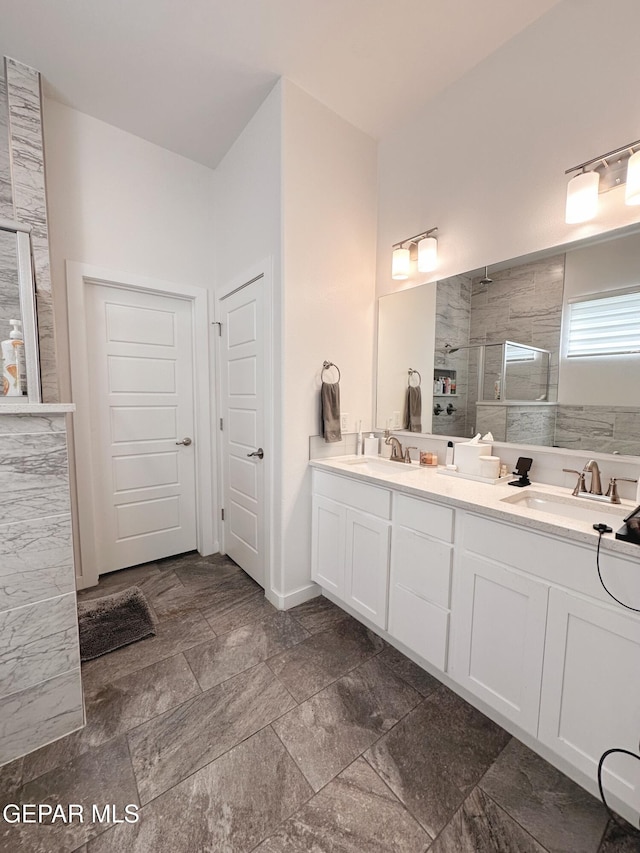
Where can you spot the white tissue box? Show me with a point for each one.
(467, 457)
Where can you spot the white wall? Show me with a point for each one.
(329, 228)
(119, 202)
(610, 265)
(485, 160)
(248, 232)
(247, 220)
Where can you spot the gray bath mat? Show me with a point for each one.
(113, 621)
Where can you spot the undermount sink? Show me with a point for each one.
(374, 465)
(579, 509)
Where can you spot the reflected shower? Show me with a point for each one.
(486, 279)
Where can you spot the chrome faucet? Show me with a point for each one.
(592, 468)
(595, 492)
(396, 448)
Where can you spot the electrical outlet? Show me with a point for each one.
(397, 422)
(344, 423)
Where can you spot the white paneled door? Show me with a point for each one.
(242, 368)
(140, 348)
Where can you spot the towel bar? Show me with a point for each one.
(411, 372)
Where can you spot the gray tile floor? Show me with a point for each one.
(239, 728)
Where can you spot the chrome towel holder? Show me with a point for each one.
(417, 373)
(325, 366)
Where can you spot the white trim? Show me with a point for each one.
(291, 599)
(78, 276)
(262, 270)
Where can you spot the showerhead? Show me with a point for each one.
(448, 349)
(486, 279)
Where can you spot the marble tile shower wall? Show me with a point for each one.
(522, 304)
(40, 687)
(518, 424)
(607, 429)
(23, 198)
(6, 194)
(453, 323)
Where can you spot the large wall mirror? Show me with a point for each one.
(541, 350)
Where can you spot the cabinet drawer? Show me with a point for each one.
(422, 565)
(422, 627)
(424, 516)
(357, 495)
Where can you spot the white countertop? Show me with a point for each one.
(488, 499)
(21, 408)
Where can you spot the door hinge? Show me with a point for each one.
(222, 514)
(221, 423)
(219, 325)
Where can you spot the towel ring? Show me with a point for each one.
(411, 372)
(325, 366)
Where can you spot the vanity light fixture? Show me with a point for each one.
(622, 165)
(425, 251)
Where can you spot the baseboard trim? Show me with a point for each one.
(291, 599)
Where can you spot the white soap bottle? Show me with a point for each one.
(14, 378)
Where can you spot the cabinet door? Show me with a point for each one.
(367, 565)
(327, 544)
(590, 693)
(498, 618)
(419, 592)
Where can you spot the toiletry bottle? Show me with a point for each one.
(14, 379)
(449, 456)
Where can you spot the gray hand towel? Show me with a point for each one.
(330, 396)
(413, 409)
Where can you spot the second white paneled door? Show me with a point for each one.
(242, 374)
(140, 348)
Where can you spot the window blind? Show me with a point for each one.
(604, 325)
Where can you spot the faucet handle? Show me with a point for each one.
(407, 455)
(612, 491)
(581, 485)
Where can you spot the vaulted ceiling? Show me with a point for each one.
(188, 74)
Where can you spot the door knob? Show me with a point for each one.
(259, 453)
(186, 441)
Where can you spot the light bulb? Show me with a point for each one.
(582, 197)
(427, 254)
(400, 263)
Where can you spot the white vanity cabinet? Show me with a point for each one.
(420, 577)
(350, 543)
(513, 616)
(500, 618)
(590, 690)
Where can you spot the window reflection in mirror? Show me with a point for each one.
(450, 327)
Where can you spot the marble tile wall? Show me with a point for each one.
(27, 200)
(6, 194)
(453, 324)
(607, 429)
(40, 687)
(522, 304)
(518, 424)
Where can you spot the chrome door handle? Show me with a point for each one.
(186, 441)
(259, 453)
